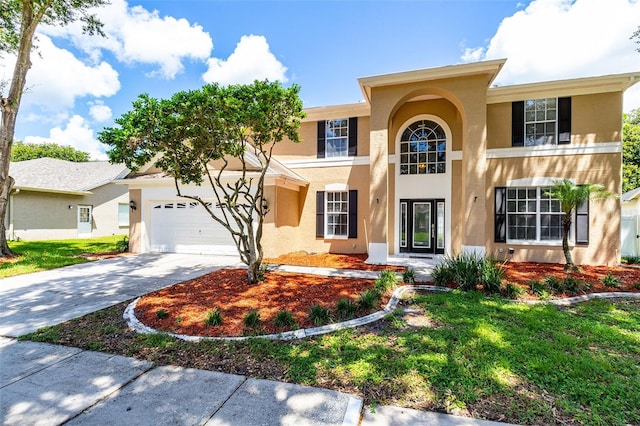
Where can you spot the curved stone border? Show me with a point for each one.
(139, 327)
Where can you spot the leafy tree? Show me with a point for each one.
(28, 151)
(18, 22)
(631, 151)
(571, 197)
(202, 135)
(636, 35)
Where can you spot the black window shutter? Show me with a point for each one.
(320, 214)
(500, 215)
(582, 224)
(353, 136)
(517, 123)
(564, 121)
(321, 138)
(353, 214)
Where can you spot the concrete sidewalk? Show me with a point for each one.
(42, 384)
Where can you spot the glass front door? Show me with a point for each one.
(422, 227)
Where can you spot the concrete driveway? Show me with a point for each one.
(51, 297)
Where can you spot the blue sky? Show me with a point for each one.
(79, 84)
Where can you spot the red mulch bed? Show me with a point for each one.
(329, 260)
(188, 303)
(228, 291)
(522, 273)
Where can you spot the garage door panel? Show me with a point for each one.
(182, 227)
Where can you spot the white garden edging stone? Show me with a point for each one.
(135, 324)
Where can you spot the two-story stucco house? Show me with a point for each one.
(433, 161)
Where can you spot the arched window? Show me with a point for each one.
(423, 149)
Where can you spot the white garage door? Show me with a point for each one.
(186, 227)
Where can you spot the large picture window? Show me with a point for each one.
(532, 215)
(423, 147)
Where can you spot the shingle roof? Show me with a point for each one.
(67, 176)
(630, 195)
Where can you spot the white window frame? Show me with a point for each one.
(536, 116)
(342, 137)
(534, 209)
(123, 210)
(342, 213)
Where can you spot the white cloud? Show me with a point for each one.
(251, 60)
(99, 112)
(556, 39)
(57, 78)
(77, 134)
(136, 35)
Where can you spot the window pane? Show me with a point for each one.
(423, 136)
(123, 214)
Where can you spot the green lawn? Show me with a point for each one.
(490, 358)
(42, 255)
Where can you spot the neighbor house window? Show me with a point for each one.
(423, 147)
(337, 214)
(338, 138)
(123, 214)
(545, 121)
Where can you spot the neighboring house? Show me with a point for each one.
(434, 161)
(58, 199)
(630, 228)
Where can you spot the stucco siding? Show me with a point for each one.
(604, 216)
(41, 215)
(285, 237)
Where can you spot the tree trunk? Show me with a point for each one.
(10, 106)
(566, 227)
(5, 191)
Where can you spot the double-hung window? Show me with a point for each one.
(540, 118)
(532, 215)
(338, 138)
(545, 121)
(337, 214)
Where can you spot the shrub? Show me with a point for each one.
(631, 260)
(554, 284)
(162, 314)
(213, 318)
(467, 270)
(575, 286)
(409, 276)
(284, 319)
(611, 281)
(123, 245)
(346, 308)
(636, 285)
(538, 288)
(252, 319)
(319, 315)
(368, 299)
(385, 282)
(491, 275)
(512, 291)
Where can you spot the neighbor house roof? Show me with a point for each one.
(61, 176)
(631, 195)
